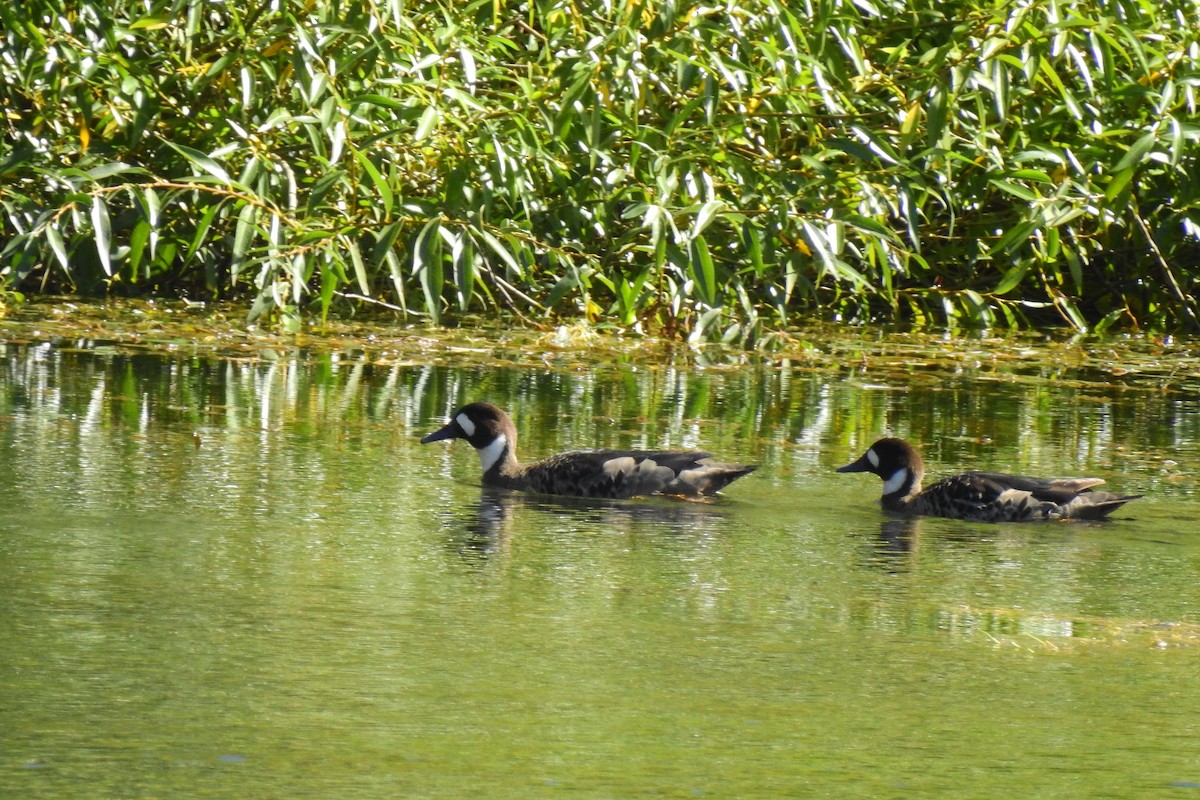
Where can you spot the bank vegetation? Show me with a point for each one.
(717, 171)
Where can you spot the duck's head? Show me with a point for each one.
(488, 429)
(893, 460)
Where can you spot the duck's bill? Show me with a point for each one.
(450, 431)
(862, 465)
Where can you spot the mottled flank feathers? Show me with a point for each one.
(981, 496)
(592, 473)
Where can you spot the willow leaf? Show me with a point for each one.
(377, 179)
(242, 237)
(1136, 152)
(102, 229)
(700, 267)
(462, 256)
(356, 259)
(427, 265)
(1012, 279)
(137, 249)
(206, 164)
(55, 240)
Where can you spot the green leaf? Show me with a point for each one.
(707, 214)
(380, 183)
(1015, 189)
(1016, 238)
(700, 268)
(500, 250)
(150, 23)
(379, 100)
(1071, 312)
(1012, 279)
(1032, 175)
(1137, 152)
(752, 244)
(462, 256)
(935, 111)
(242, 237)
(360, 268)
(151, 208)
(1118, 182)
(427, 266)
(428, 121)
(137, 249)
(204, 162)
(384, 242)
(55, 239)
(870, 225)
(853, 149)
(113, 168)
(102, 228)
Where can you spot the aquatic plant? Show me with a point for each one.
(712, 171)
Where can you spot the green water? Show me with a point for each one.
(235, 578)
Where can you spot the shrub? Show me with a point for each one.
(714, 171)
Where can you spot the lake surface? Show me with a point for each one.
(244, 577)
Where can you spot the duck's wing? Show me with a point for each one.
(630, 473)
(1037, 485)
(996, 496)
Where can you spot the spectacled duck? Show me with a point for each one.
(981, 496)
(595, 473)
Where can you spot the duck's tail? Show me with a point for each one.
(1095, 505)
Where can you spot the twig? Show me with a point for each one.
(1188, 311)
(384, 303)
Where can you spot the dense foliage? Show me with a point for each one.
(712, 170)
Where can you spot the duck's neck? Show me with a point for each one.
(900, 489)
(499, 457)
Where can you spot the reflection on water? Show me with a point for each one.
(248, 576)
(485, 528)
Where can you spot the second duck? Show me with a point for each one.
(589, 473)
(981, 496)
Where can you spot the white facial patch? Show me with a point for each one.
(488, 456)
(896, 482)
(465, 423)
(873, 457)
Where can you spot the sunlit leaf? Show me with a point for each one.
(1015, 189)
(102, 230)
(356, 259)
(1137, 152)
(377, 180)
(707, 213)
(137, 249)
(242, 237)
(427, 265)
(1012, 279)
(503, 252)
(428, 121)
(150, 23)
(113, 168)
(462, 256)
(205, 163)
(701, 270)
(1117, 183)
(55, 240)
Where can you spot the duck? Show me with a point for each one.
(610, 474)
(981, 496)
